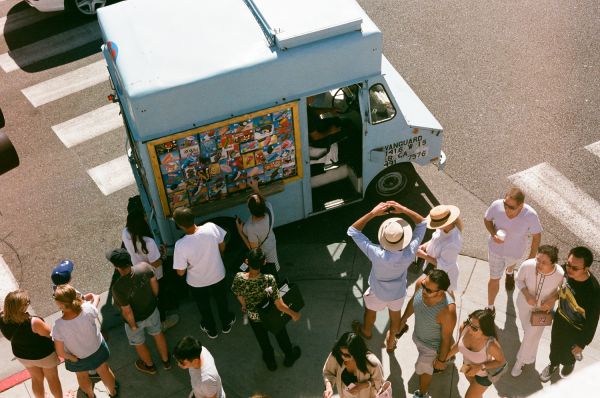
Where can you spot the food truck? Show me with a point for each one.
(295, 94)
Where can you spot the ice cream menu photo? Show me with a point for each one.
(213, 162)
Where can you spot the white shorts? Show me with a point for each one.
(427, 355)
(499, 263)
(375, 304)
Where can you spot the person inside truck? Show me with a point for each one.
(324, 130)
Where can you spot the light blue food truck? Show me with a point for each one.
(296, 94)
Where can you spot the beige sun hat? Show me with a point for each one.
(394, 234)
(441, 216)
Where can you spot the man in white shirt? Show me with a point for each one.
(509, 221)
(205, 379)
(198, 256)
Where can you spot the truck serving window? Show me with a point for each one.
(382, 108)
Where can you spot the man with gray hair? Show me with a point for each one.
(390, 259)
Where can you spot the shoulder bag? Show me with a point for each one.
(494, 374)
(274, 320)
(540, 317)
(385, 391)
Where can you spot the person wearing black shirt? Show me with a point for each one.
(577, 314)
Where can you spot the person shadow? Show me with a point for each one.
(444, 383)
(529, 381)
(395, 377)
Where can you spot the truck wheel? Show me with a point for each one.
(393, 181)
(85, 8)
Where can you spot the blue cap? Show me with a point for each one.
(61, 274)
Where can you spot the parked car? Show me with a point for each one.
(84, 7)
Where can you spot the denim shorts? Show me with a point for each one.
(92, 362)
(483, 381)
(151, 325)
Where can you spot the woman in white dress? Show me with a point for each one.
(537, 280)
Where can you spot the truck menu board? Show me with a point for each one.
(215, 161)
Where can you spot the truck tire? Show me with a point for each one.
(84, 8)
(393, 181)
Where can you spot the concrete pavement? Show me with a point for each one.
(332, 288)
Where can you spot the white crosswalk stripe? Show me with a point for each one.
(21, 19)
(66, 84)
(594, 148)
(562, 199)
(89, 125)
(46, 48)
(112, 176)
(7, 280)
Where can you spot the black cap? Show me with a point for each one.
(119, 258)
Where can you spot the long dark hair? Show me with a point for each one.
(486, 322)
(356, 347)
(138, 228)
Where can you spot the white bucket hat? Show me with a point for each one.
(394, 234)
(441, 216)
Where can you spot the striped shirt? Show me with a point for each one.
(427, 330)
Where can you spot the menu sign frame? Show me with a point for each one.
(215, 161)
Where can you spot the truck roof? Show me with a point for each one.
(252, 52)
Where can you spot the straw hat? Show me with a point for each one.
(441, 216)
(394, 234)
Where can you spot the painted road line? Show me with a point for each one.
(576, 210)
(594, 148)
(46, 48)
(69, 83)
(8, 283)
(89, 125)
(112, 176)
(22, 19)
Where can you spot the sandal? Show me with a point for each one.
(390, 348)
(357, 328)
(400, 333)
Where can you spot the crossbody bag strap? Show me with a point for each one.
(539, 285)
(270, 225)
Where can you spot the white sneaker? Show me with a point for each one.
(517, 369)
(170, 321)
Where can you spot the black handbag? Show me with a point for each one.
(274, 320)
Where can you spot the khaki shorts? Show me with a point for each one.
(51, 361)
(374, 304)
(499, 263)
(427, 355)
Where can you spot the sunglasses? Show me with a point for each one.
(428, 290)
(473, 327)
(507, 206)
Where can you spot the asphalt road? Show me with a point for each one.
(514, 84)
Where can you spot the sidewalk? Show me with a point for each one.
(332, 278)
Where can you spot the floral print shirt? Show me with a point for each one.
(254, 291)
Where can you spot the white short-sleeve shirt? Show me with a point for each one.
(199, 254)
(517, 229)
(80, 335)
(206, 381)
(141, 257)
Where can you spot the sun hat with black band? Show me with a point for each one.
(394, 234)
(441, 216)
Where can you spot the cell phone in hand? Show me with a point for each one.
(350, 386)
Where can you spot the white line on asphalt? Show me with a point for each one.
(57, 44)
(8, 283)
(112, 176)
(574, 208)
(21, 19)
(89, 125)
(66, 84)
(594, 148)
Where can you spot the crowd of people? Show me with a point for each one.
(563, 297)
